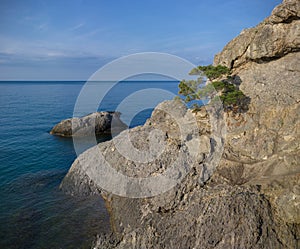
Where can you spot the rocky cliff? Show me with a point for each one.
(264, 142)
(252, 198)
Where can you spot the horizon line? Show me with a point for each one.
(88, 80)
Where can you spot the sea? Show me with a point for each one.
(34, 212)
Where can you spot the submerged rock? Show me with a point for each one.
(95, 123)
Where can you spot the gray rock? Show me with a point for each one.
(220, 217)
(277, 36)
(263, 145)
(285, 13)
(162, 151)
(95, 123)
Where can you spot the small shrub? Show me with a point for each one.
(232, 98)
(218, 85)
(210, 71)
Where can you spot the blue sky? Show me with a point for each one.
(70, 40)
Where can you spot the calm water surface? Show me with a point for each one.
(34, 213)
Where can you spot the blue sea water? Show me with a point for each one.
(34, 213)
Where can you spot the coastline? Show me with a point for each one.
(251, 199)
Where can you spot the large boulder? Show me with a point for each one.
(165, 140)
(95, 123)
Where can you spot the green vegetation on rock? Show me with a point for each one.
(210, 71)
(224, 90)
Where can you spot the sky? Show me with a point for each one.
(70, 40)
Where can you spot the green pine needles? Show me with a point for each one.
(223, 89)
(210, 71)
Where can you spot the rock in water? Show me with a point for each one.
(252, 199)
(95, 123)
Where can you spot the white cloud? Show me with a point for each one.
(42, 26)
(78, 26)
